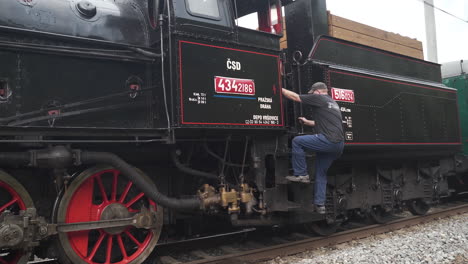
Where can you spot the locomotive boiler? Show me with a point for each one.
(128, 123)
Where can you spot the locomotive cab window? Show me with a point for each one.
(203, 8)
(265, 16)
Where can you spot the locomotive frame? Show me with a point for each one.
(125, 123)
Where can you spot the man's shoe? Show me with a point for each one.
(320, 209)
(302, 179)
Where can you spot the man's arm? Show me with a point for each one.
(291, 95)
(306, 121)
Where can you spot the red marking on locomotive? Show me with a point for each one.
(229, 85)
(54, 112)
(342, 95)
(135, 87)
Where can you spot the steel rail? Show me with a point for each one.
(297, 247)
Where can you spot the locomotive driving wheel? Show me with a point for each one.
(102, 193)
(379, 215)
(418, 207)
(322, 228)
(13, 198)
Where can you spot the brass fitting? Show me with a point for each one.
(208, 196)
(246, 194)
(234, 208)
(230, 199)
(227, 197)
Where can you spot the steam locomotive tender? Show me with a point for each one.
(124, 119)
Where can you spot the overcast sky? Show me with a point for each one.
(406, 17)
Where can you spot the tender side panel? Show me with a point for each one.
(222, 86)
(384, 111)
(341, 52)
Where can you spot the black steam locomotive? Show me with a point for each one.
(124, 119)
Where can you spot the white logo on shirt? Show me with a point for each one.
(333, 105)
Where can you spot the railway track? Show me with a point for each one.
(256, 247)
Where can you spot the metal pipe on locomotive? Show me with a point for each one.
(124, 120)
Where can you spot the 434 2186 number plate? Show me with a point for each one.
(227, 85)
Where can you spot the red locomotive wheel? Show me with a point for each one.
(14, 198)
(102, 193)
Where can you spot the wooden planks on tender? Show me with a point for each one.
(346, 29)
(363, 34)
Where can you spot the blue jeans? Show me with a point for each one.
(326, 153)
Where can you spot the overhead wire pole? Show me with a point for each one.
(431, 34)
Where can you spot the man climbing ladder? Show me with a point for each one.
(328, 143)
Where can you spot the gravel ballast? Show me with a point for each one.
(441, 241)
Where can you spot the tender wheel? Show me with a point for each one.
(322, 228)
(101, 193)
(14, 198)
(378, 215)
(418, 207)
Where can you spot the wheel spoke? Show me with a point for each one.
(101, 188)
(122, 247)
(8, 204)
(133, 238)
(134, 200)
(96, 247)
(124, 194)
(114, 186)
(109, 249)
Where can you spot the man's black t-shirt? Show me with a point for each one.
(327, 116)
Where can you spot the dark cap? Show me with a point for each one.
(318, 86)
